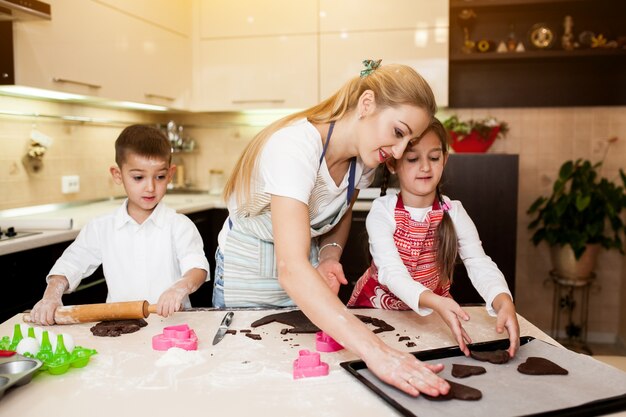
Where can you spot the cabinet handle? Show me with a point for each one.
(66, 81)
(150, 95)
(273, 101)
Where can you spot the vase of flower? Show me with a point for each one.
(474, 135)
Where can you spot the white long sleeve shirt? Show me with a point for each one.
(140, 261)
(381, 225)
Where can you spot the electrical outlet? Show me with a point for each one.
(70, 184)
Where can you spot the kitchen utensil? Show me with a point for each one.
(98, 312)
(228, 318)
(180, 336)
(16, 370)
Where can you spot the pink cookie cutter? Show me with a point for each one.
(308, 364)
(325, 343)
(180, 336)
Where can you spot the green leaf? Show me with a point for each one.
(582, 202)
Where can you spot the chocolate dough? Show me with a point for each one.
(463, 371)
(494, 356)
(540, 366)
(253, 336)
(459, 392)
(301, 323)
(114, 328)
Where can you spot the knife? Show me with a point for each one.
(221, 331)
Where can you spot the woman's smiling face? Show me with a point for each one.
(386, 134)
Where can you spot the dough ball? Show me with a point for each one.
(28, 345)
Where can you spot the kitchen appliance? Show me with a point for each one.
(97, 312)
(24, 10)
(221, 331)
(10, 233)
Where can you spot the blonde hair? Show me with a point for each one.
(393, 85)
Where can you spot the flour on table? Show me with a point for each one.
(178, 356)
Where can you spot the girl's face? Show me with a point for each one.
(145, 182)
(386, 134)
(420, 170)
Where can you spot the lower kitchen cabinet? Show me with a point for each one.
(25, 273)
(209, 223)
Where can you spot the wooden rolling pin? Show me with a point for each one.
(98, 312)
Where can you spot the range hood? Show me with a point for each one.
(24, 10)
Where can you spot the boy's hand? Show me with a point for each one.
(332, 272)
(507, 318)
(171, 300)
(452, 314)
(43, 312)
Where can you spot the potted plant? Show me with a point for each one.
(474, 135)
(581, 216)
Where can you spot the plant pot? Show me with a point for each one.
(567, 266)
(473, 142)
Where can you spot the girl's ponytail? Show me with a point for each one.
(447, 244)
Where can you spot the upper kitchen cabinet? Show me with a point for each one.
(251, 57)
(545, 73)
(426, 50)
(358, 15)
(399, 31)
(228, 18)
(133, 51)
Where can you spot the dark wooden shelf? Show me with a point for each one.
(557, 54)
(537, 78)
(461, 4)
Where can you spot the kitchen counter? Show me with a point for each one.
(83, 213)
(237, 377)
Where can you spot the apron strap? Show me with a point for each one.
(352, 175)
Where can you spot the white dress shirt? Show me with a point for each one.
(481, 270)
(140, 261)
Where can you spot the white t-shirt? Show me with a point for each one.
(140, 261)
(481, 270)
(289, 166)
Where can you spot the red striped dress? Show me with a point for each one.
(415, 243)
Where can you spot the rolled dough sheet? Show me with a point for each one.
(506, 392)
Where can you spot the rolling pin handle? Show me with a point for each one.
(150, 309)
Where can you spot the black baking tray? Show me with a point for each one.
(594, 408)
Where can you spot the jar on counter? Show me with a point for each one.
(216, 181)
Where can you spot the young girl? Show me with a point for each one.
(290, 203)
(414, 240)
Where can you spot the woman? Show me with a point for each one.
(290, 203)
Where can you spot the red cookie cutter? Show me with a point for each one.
(180, 336)
(308, 364)
(325, 343)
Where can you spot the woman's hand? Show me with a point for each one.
(406, 373)
(332, 272)
(452, 314)
(507, 319)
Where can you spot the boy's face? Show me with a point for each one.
(145, 181)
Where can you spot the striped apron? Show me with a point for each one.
(415, 243)
(250, 274)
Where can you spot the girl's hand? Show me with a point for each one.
(406, 373)
(507, 318)
(452, 314)
(332, 272)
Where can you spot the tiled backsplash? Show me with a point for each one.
(543, 137)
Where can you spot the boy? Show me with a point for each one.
(144, 246)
